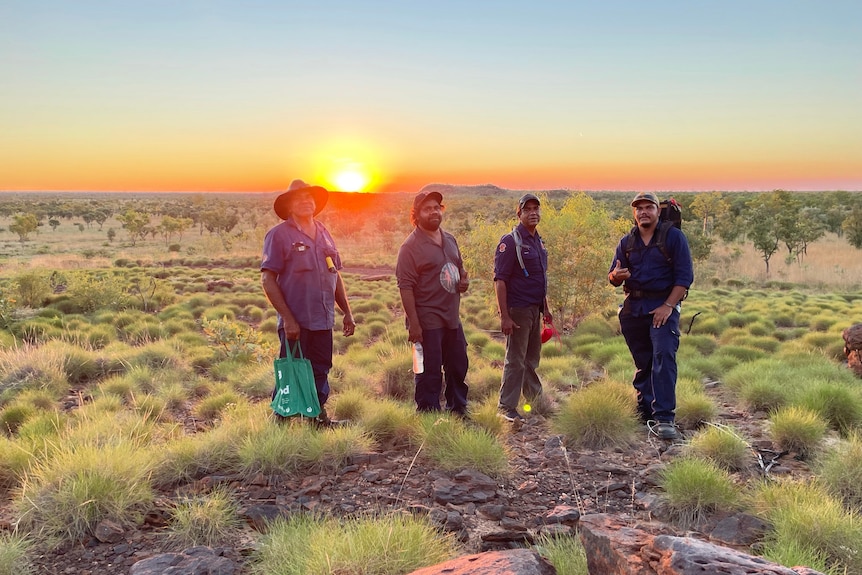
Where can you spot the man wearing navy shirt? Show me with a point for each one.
(521, 282)
(656, 280)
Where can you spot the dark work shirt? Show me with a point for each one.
(651, 271)
(303, 276)
(522, 290)
(432, 272)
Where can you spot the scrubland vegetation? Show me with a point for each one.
(135, 361)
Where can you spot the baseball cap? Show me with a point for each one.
(526, 198)
(645, 197)
(424, 195)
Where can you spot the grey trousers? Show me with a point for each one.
(523, 351)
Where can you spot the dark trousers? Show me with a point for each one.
(654, 352)
(316, 347)
(445, 351)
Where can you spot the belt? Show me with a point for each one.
(646, 294)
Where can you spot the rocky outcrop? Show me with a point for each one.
(615, 548)
(511, 562)
(193, 561)
(853, 347)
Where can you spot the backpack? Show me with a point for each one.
(670, 216)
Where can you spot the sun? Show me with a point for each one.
(350, 181)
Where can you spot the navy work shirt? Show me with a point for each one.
(522, 290)
(303, 276)
(651, 271)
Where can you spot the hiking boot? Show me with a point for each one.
(512, 415)
(666, 430)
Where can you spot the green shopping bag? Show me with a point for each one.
(295, 392)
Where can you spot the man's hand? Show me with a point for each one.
(619, 274)
(660, 315)
(507, 326)
(464, 282)
(414, 334)
(349, 325)
(291, 329)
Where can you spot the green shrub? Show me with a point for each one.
(694, 488)
(14, 415)
(396, 543)
(599, 415)
(840, 471)
(838, 404)
(797, 429)
(209, 520)
(32, 288)
(721, 445)
(15, 554)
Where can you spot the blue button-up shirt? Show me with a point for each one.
(303, 276)
(522, 290)
(651, 271)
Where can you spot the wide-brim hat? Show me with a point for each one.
(281, 206)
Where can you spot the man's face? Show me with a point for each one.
(646, 214)
(302, 204)
(430, 215)
(530, 214)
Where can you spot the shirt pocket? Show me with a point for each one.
(301, 258)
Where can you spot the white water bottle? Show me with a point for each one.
(418, 358)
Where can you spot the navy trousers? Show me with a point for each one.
(653, 350)
(445, 351)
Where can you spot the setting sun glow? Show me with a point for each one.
(350, 181)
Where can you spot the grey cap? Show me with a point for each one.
(645, 197)
(526, 198)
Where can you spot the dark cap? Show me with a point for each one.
(282, 202)
(526, 198)
(645, 197)
(424, 195)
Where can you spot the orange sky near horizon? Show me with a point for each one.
(541, 95)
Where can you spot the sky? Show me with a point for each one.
(230, 95)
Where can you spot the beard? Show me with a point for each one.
(429, 224)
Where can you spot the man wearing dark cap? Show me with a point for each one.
(521, 285)
(655, 279)
(431, 279)
(300, 277)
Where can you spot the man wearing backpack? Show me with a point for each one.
(521, 285)
(653, 263)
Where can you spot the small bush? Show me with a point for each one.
(597, 416)
(14, 554)
(840, 470)
(721, 445)
(797, 429)
(209, 519)
(394, 543)
(695, 488)
(839, 405)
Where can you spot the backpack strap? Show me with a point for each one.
(518, 248)
(661, 240)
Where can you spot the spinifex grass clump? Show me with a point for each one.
(722, 445)
(840, 471)
(14, 554)
(566, 554)
(693, 406)
(804, 518)
(597, 416)
(386, 545)
(209, 519)
(839, 404)
(797, 429)
(694, 488)
(65, 495)
(453, 446)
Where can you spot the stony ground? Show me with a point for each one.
(543, 476)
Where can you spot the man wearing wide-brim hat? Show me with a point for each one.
(301, 278)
